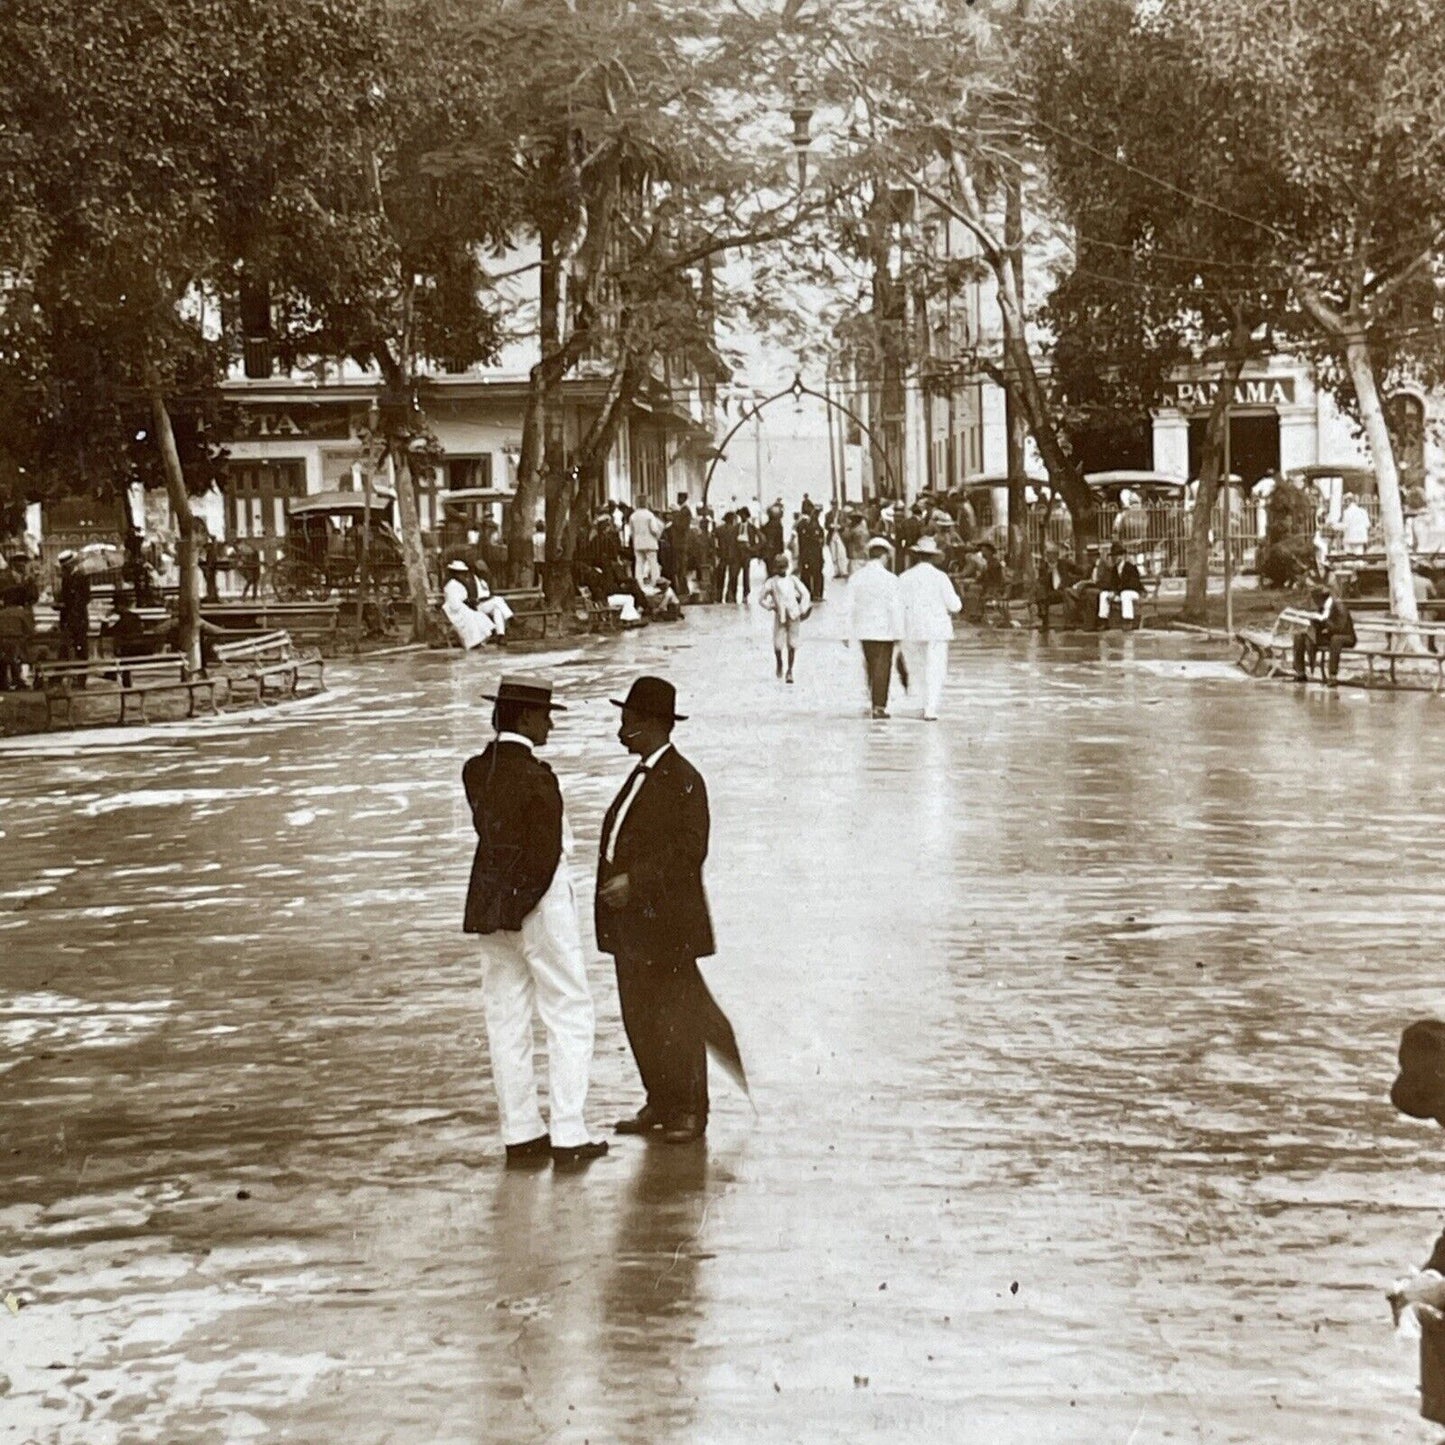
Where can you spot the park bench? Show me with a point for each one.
(270, 657)
(138, 678)
(1267, 652)
(1390, 641)
(529, 604)
(598, 613)
(1383, 643)
(316, 624)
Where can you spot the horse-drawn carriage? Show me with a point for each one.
(326, 536)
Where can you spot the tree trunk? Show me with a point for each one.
(188, 602)
(1349, 327)
(1020, 559)
(1016, 424)
(543, 380)
(1387, 478)
(564, 486)
(1211, 465)
(411, 549)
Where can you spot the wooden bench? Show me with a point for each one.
(271, 656)
(529, 604)
(138, 677)
(1382, 642)
(599, 614)
(1269, 652)
(317, 624)
(1389, 641)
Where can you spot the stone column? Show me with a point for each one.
(1171, 443)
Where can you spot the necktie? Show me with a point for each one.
(629, 792)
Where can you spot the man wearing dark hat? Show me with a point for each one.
(521, 899)
(652, 916)
(72, 600)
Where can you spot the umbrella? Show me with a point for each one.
(722, 1043)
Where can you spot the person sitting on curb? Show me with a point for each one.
(1122, 581)
(1331, 629)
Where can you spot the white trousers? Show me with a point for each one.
(540, 972)
(496, 611)
(927, 664)
(1128, 601)
(646, 559)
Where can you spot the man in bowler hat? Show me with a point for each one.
(521, 900)
(652, 916)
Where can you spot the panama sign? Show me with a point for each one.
(1248, 391)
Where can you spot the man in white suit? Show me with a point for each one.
(646, 533)
(929, 604)
(873, 617)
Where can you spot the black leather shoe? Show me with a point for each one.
(684, 1128)
(643, 1122)
(576, 1156)
(533, 1154)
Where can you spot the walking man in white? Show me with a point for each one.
(873, 617)
(521, 899)
(646, 533)
(930, 602)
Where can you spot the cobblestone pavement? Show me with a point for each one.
(1071, 1019)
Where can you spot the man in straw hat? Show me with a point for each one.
(930, 602)
(652, 916)
(873, 617)
(521, 899)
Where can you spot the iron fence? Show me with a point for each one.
(1158, 537)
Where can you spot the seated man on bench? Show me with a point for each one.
(1332, 629)
(1056, 576)
(1119, 578)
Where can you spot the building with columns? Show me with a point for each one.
(1281, 420)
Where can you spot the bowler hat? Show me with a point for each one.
(526, 691)
(654, 696)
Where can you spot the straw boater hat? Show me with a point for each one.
(926, 547)
(457, 565)
(528, 691)
(654, 696)
(879, 544)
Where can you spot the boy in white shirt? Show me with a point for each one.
(789, 601)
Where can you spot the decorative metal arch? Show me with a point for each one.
(797, 391)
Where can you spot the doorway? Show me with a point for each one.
(1253, 445)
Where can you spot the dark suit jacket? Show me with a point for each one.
(1338, 622)
(517, 812)
(661, 848)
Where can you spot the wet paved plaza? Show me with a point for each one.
(1071, 1021)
